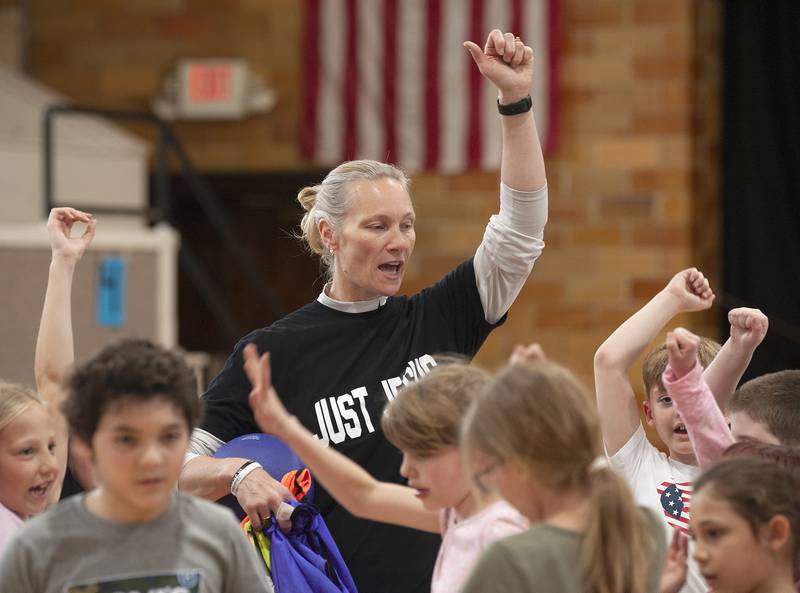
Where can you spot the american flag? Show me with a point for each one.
(389, 80)
(676, 501)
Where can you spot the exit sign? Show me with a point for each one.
(212, 89)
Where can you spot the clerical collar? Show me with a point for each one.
(350, 306)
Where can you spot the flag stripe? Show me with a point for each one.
(431, 96)
(308, 122)
(390, 24)
(516, 19)
(551, 131)
(411, 59)
(389, 80)
(350, 82)
(497, 15)
(455, 62)
(329, 131)
(370, 136)
(475, 78)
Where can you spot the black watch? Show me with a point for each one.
(522, 106)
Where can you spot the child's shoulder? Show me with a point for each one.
(44, 530)
(539, 546)
(638, 451)
(205, 514)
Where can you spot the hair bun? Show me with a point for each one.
(308, 197)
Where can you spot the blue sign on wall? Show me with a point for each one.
(111, 283)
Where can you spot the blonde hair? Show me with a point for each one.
(425, 417)
(330, 201)
(539, 415)
(14, 400)
(656, 363)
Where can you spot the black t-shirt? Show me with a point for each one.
(336, 371)
(71, 485)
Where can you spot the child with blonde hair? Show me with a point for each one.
(33, 432)
(535, 438)
(662, 481)
(423, 421)
(28, 465)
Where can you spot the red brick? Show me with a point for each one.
(594, 72)
(647, 288)
(639, 206)
(184, 25)
(662, 12)
(661, 179)
(596, 12)
(568, 317)
(474, 181)
(595, 235)
(626, 151)
(661, 124)
(660, 234)
(661, 67)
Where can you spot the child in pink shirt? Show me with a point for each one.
(683, 379)
(423, 421)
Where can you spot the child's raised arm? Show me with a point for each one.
(619, 415)
(748, 329)
(683, 379)
(54, 344)
(353, 487)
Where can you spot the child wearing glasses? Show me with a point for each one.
(423, 421)
(537, 433)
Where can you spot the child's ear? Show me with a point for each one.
(648, 412)
(83, 448)
(778, 532)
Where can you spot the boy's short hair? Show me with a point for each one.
(426, 415)
(774, 400)
(784, 455)
(131, 370)
(656, 363)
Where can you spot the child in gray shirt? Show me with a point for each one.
(133, 405)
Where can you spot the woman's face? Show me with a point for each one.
(372, 248)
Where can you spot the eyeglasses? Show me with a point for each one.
(478, 477)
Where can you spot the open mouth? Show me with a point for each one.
(680, 429)
(391, 268)
(40, 490)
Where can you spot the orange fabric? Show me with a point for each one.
(298, 482)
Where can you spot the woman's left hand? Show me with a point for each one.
(507, 62)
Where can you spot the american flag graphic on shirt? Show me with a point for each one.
(676, 501)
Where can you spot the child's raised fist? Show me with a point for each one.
(682, 350)
(691, 290)
(748, 327)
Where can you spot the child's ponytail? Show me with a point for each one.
(540, 416)
(616, 550)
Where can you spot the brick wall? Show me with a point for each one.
(632, 184)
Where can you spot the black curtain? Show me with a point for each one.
(761, 172)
